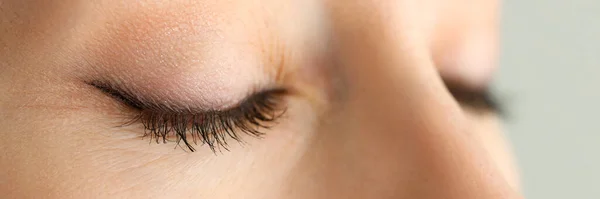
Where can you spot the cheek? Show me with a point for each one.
(487, 129)
(62, 153)
(81, 153)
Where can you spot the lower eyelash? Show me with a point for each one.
(213, 128)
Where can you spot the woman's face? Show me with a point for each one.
(276, 99)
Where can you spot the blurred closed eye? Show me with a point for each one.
(481, 100)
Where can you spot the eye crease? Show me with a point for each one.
(257, 112)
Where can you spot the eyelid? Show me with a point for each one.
(211, 127)
(137, 102)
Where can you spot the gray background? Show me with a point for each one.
(550, 76)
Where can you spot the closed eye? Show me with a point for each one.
(188, 126)
(481, 100)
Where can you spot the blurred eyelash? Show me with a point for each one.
(213, 128)
(480, 99)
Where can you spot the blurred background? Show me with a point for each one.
(550, 77)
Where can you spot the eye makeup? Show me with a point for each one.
(189, 126)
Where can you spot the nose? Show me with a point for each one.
(396, 132)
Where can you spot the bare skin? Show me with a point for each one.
(367, 113)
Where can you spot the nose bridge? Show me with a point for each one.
(371, 145)
(390, 79)
(397, 133)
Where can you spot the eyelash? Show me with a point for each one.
(480, 100)
(213, 128)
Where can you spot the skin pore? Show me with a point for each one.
(367, 114)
